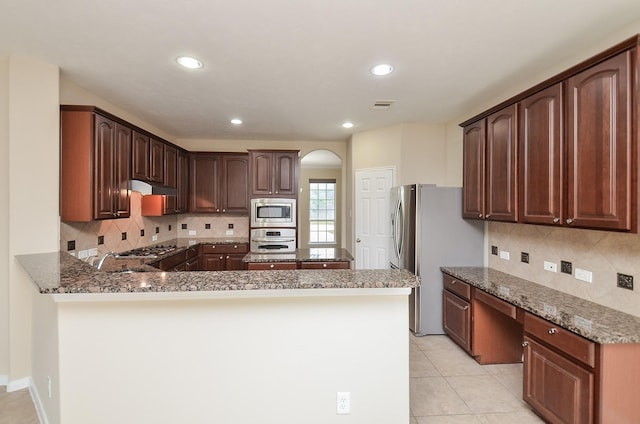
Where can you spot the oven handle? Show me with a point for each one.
(274, 240)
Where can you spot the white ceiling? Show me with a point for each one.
(297, 69)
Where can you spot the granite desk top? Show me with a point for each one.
(590, 320)
(317, 254)
(59, 272)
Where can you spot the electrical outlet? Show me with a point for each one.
(625, 281)
(83, 254)
(343, 403)
(566, 267)
(524, 257)
(550, 309)
(154, 238)
(584, 275)
(494, 250)
(228, 232)
(71, 245)
(192, 232)
(550, 266)
(93, 251)
(504, 255)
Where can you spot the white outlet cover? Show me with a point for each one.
(229, 232)
(505, 255)
(343, 403)
(584, 275)
(192, 232)
(154, 238)
(550, 266)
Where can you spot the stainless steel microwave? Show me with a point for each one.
(273, 212)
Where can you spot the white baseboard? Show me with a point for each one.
(21, 383)
(37, 402)
(26, 383)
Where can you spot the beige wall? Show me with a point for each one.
(303, 202)
(33, 193)
(4, 220)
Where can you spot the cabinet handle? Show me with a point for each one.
(488, 216)
(479, 215)
(556, 220)
(465, 308)
(270, 193)
(324, 265)
(272, 266)
(224, 210)
(228, 256)
(235, 246)
(217, 210)
(525, 344)
(569, 221)
(276, 192)
(453, 282)
(552, 331)
(221, 257)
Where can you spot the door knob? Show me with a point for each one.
(358, 240)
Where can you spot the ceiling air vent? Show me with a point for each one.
(382, 104)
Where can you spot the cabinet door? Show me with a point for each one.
(285, 173)
(192, 265)
(555, 387)
(182, 182)
(540, 157)
(122, 172)
(156, 161)
(473, 185)
(235, 184)
(213, 262)
(170, 166)
(204, 185)
(501, 166)
(457, 319)
(261, 173)
(104, 160)
(233, 262)
(140, 157)
(599, 150)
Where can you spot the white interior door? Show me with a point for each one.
(373, 222)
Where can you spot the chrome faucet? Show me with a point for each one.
(101, 262)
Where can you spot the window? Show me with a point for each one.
(322, 211)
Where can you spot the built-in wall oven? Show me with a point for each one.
(273, 240)
(273, 212)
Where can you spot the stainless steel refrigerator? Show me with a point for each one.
(427, 232)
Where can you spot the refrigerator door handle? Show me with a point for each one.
(399, 233)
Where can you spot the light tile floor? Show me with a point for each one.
(447, 387)
(17, 407)
(450, 387)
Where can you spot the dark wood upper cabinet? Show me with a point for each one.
(500, 163)
(95, 166)
(140, 156)
(182, 182)
(170, 166)
(235, 184)
(473, 170)
(273, 173)
(540, 138)
(601, 171)
(156, 161)
(204, 182)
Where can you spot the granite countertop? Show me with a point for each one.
(59, 272)
(590, 320)
(187, 242)
(318, 254)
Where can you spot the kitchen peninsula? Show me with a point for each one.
(233, 346)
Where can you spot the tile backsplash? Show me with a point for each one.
(119, 235)
(604, 253)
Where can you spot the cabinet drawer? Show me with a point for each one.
(273, 266)
(456, 286)
(572, 344)
(225, 248)
(325, 265)
(497, 304)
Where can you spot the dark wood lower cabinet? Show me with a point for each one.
(457, 319)
(558, 389)
(271, 266)
(212, 262)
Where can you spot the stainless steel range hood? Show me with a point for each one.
(146, 188)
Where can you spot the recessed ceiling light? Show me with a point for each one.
(382, 69)
(236, 121)
(347, 125)
(189, 62)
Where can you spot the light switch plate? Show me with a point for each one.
(192, 232)
(505, 255)
(550, 266)
(584, 275)
(229, 232)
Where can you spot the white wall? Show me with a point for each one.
(33, 193)
(261, 360)
(4, 219)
